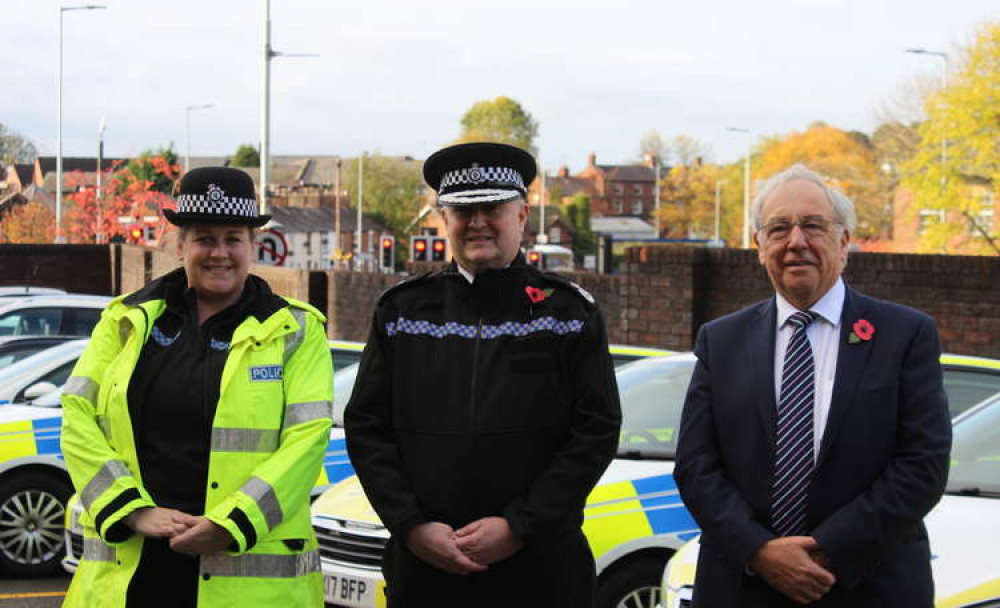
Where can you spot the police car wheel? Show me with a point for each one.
(635, 584)
(32, 518)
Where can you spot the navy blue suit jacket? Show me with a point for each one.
(882, 464)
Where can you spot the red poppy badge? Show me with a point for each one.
(863, 331)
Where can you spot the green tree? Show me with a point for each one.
(159, 168)
(966, 116)
(688, 208)
(576, 212)
(246, 156)
(500, 120)
(393, 192)
(15, 148)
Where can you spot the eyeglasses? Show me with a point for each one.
(779, 231)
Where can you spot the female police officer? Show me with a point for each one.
(195, 425)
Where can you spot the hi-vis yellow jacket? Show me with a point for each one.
(269, 436)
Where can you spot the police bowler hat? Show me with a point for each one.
(477, 173)
(216, 195)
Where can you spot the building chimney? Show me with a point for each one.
(650, 159)
(592, 159)
(563, 171)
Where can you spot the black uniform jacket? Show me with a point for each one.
(473, 400)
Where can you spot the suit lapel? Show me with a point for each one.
(851, 362)
(760, 355)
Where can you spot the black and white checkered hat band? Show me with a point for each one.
(224, 205)
(473, 176)
(479, 196)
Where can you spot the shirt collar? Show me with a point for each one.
(828, 307)
(465, 273)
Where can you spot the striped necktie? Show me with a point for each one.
(794, 455)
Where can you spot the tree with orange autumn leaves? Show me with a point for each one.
(140, 189)
(29, 223)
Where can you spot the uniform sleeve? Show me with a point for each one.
(562, 488)
(371, 444)
(281, 484)
(108, 489)
(866, 529)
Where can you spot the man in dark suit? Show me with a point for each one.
(815, 435)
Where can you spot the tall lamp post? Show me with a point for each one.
(944, 85)
(187, 131)
(265, 104)
(656, 191)
(718, 208)
(59, 155)
(746, 188)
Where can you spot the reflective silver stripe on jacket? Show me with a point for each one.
(293, 339)
(109, 473)
(267, 501)
(95, 550)
(297, 413)
(105, 423)
(244, 440)
(261, 566)
(82, 386)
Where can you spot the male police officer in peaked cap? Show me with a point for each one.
(485, 408)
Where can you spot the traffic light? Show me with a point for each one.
(418, 248)
(438, 248)
(535, 258)
(387, 259)
(134, 235)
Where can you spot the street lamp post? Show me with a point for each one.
(187, 131)
(944, 86)
(265, 104)
(59, 155)
(718, 208)
(656, 192)
(746, 188)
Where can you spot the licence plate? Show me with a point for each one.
(354, 591)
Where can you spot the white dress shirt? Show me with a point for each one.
(824, 337)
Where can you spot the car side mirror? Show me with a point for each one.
(38, 390)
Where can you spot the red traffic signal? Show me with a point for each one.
(135, 234)
(535, 258)
(438, 249)
(418, 248)
(387, 259)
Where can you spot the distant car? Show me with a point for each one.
(15, 348)
(41, 373)
(55, 315)
(963, 527)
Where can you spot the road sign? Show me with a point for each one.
(272, 248)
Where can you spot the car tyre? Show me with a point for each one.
(633, 584)
(32, 518)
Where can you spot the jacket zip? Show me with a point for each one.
(475, 367)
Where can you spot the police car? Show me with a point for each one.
(963, 527)
(634, 519)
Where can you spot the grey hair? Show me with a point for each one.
(843, 208)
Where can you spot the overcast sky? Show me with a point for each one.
(395, 77)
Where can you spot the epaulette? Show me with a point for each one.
(404, 284)
(570, 285)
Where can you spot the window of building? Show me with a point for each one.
(637, 207)
(928, 218)
(637, 189)
(619, 206)
(619, 189)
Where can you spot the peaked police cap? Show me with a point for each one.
(216, 195)
(477, 173)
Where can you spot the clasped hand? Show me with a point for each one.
(466, 550)
(796, 566)
(188, 534)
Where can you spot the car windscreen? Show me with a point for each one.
(652, 395)
(975, 452)
(343, 384)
